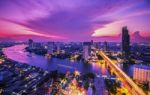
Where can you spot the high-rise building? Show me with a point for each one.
(58, 47)
(92, 42)
(125, 42)
(30, 43)
(141, 74)
(86, 50)
(50, 47)
(105, 46)
(97, 45)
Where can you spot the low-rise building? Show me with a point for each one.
(141, 74)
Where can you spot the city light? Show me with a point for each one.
(74, 47)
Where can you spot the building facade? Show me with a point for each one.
(50, 47)
(125, 42)
(30, 43)
(141, 74)
(86, 50)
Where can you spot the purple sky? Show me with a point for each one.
(73, 20)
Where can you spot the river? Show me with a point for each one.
(18, 53)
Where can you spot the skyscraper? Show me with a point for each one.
(105, 46)
(30, 43)
(58, 47)
(50, 47)
(125, 43)
(86, 50)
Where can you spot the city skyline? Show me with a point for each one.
(68, 20)
(74, 47)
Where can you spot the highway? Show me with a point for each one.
(125, 79)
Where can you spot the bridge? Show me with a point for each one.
(125, 79)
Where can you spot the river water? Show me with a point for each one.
(17, 53)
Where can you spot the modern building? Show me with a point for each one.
(141, 73)
(30, 43)
(105, 46)
(86, 50)
(125, 43)
(92, 44)
(58, 47)
(97, 45)
(50, 47)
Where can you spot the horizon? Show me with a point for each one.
(74, 47)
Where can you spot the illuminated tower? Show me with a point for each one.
(125, 43)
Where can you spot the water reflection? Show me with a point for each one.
(18, 53)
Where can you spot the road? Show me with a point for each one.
(125, 79)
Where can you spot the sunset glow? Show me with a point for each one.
(66, 19)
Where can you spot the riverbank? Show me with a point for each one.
(38, 51)
(54, 54)
(18, 53)
(19, 78)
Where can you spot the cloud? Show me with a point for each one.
(72, 19)
(76, 22)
